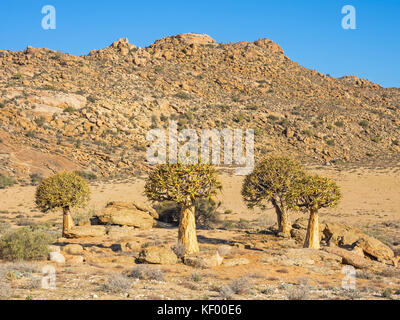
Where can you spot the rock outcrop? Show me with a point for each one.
(127, 214)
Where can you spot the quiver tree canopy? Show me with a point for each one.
(311, 194)
(183, 184)
(64, 190)
(272, 181)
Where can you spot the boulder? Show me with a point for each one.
(86, 231)
(56, 257)
(126, 214)
(75, 259)
(374, 248)
(73, 249)
(157, 255)
(353, 259)
(205, 259)
(352, 238)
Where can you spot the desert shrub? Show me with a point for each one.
(243, 224)
(69, 110)
(330, 142)
(179, 249)
(4, 227)
(6, 181)
(387, 293)
(36, 178)
(25, 244)
(273, 117)
(86, 175)
(83, 217)
(339, 124)
(364, 123)
(196, 277)
(183, 95)
(376, 139)
(146, 272)
(301, 292)
(226, 292)
(40, 121)
(241, 285)
(117, 283)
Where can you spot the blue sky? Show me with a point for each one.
(309, 31)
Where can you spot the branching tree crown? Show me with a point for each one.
(63, 190)
(181, 183)
(271, 181)
(315, 192)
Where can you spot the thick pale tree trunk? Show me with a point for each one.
(312, 237)
(187, 234)
(68, 223)
(282, 216)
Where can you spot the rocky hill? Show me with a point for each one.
(92, 112)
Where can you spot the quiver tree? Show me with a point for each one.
(271, 181)
(311, 194)
(64, 190)
(183, 184)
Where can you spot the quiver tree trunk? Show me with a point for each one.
(187, 229)
(312, 237)
(282, 215)
(68, 223)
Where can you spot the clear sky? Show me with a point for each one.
(309, 31)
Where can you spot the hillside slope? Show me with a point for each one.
(60, 111)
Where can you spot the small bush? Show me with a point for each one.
(182, 95)
(86, 175)
(387, 293)
(301, 292)
(25, 244)
(117, 283)
(240, 286)
(36, 178)
(6, 181)
(364, 123)
(339, 124)
(196, 277)
(4, 227)
(146, 272)
(179, 249)
(226, 292)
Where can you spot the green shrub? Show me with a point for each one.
(183, 95)
(364, 123)
(6, 181)
(339, 124)
(36, 178)
(86, 175)
(25, 244)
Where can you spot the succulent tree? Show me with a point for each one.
(311, 194)
(64, 190)
(183, 184)
(271, 181)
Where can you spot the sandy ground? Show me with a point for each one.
(371, 201)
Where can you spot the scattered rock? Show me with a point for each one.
(56, 257)
(157, 255)
(86, 231)
(126, 214)
(73, 249)
(205, 259)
